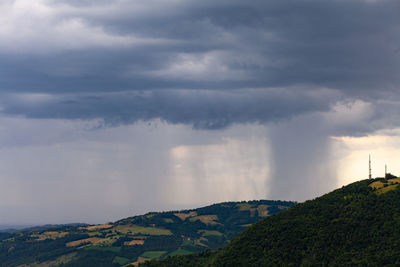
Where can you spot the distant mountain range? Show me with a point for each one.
(12, 227)
(356, 225)
(135, 239)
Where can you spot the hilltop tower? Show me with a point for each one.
(385, 170)
(369, 168)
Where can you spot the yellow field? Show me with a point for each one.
(135, 229)
(92, 240)
(139, 261)
(262, 210)
(243, 206)
(184, 216)
(49, 235)
(94, 233)
(206, 219)
(381, 188)
(386, 189)
(376, 185)
(134, 242)
(96, 227)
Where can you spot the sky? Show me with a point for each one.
(115, 108)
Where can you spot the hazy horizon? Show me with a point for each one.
(110, 109)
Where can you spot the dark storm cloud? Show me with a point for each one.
(350, 47)
(201, 108)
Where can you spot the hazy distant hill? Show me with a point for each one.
(357, 225)
(134, 239)
(13, 228)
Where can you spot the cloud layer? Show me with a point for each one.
(206, 64)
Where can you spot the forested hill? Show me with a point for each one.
(358, 224)
(135, 239)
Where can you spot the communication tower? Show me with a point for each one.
(385, 171)
(369, 168)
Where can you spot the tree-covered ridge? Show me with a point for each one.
(134, 239)
(358, 225)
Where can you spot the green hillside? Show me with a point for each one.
(135, 239)
(357, 225)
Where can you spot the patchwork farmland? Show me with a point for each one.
(134, 240)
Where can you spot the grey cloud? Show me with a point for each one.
(201, 108)
(349, 46)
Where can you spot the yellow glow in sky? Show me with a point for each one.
(353, 166)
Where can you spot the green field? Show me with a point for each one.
(112, 249)
(162, 233)
(180, 251)
(121, 260)
(64, 259)
(210, 232)
(134, 229)
(153, 254)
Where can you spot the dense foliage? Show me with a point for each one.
(356, 225)
(134, 239)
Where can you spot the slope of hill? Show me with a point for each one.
(356, 225)
(135, 239)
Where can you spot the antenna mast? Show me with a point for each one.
(369, 169)
(385, 170)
